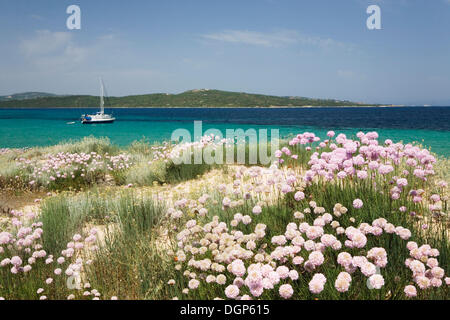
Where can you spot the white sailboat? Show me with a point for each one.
(101, 116)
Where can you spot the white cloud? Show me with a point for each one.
(45, 42)
(59, 51)
(66, 63)
(273, 39)
(253, 37)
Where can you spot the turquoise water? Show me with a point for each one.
(40, 127)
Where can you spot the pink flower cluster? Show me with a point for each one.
(317, 283)
(69, 166)
(21, 249)
(255, 263)
(425, 268)
(367, 159)
(343, 280)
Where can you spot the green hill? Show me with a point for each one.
(193, 98)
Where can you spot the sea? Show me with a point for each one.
(429, 126)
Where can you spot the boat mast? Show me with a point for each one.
(102, 102)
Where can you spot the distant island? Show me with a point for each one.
(204, 98)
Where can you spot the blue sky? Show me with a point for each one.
(312, 48)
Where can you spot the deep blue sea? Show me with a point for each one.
(38, 127)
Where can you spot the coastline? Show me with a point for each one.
(228, 107)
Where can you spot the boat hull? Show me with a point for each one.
(84, 121)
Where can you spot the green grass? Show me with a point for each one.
(89, 144)
(131, 263)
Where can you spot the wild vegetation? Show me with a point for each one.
(191, 98)
(344, 218)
